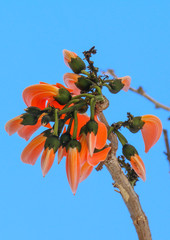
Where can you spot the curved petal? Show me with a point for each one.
(13, 125)
(32, 151)
(47, 160)
(33, 90)
(61, 153)
(91, 142)
(151, 130)
(84, 149)
(70, 79)
(73, 168)
(138, 166)
(68, 55)
(126, 81)
(98, 157)
(101, 134)
(86, 169)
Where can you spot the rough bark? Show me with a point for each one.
(128, 194)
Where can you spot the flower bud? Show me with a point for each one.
(115, 86)
(92, 126)
(73, 61)
(29, 119)
(129, 151)
(52, 142)
(63, 96)
(65, 139)
(33, 110)
(73, 144)
(135, 124)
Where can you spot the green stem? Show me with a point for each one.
(92, 108)
(98, 89)
(72, 108)
(85, 73)
(121, 138)
(69, 125)
(56, 122)
(83, 95)
(75, 125)
(70, 102)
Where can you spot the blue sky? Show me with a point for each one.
(133, 37)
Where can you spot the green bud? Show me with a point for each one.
(33, 110)
(83, 84)
(77, 64)
(52, 142)
(63, 96)
(129, 150)
(135, 124)
(29, 119)
(92, 126)
(65, 139)
(116, 86)
(84, 108)
(72, 144)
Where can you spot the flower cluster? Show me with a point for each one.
(70, 132)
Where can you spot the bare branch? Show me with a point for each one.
(141, 92)
(167, 144)
(129, 196)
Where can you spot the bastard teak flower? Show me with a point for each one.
(71, 125)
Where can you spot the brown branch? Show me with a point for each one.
(130, 198)
(141, 92)
(167, 144)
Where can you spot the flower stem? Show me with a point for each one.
(56, 122)
(85, 73)
(72, 108)
(92, 108)
(75, 125)
(121, 138)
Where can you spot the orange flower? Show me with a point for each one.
(61, 153)
(32, 151)
(151, 130)
(73, 168)
(73, 61)
(126, 81)
(40, 95)
(70, 79)
(138, 166)
(68, 55)
(25, 131)
(86, 169)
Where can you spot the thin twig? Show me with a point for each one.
(167, 145)
(141, 92)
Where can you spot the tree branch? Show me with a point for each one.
(141, 92)
(167, 145)
(129, 196)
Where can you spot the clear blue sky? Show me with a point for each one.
(133, 37)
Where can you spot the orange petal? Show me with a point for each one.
(86, 169)
(61, 153)
(151, 130)
(101, 134)
(32, 151)
(30, 92)
(70, 79)
(73, 168)
(138, 166)
(13, 125)
(91, 142)
(126, 81)
(68, 55)
(47, 160)
(84, 149)
(98, 157)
